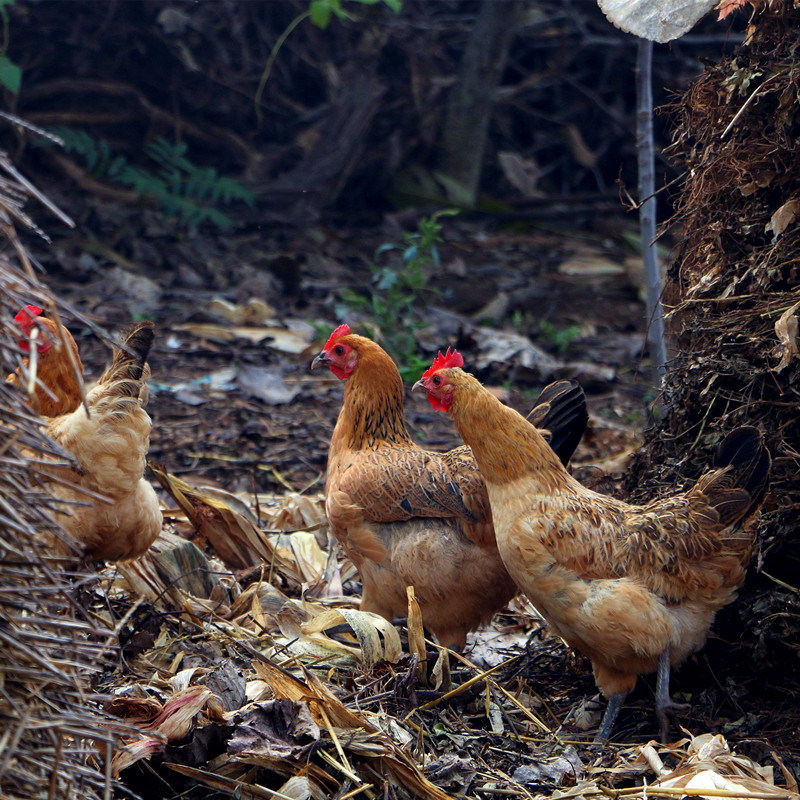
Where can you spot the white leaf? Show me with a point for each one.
(660, 21)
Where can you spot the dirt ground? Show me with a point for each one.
(577, 299)
(249, 416)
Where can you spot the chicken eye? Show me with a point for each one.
(436, 380)
(339, 350)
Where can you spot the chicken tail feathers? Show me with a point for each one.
(129, 366)
(561, 411)
(738, 486)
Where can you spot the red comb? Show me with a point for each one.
(342, 330)
(25, 317)
(449, 359)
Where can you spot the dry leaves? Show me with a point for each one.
(783, 218)
(786, 329)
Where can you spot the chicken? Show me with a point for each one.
(633, 587)
(107, 505)
(407, 516)
(57, 389)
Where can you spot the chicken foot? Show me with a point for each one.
(665, 705)
(610, 717)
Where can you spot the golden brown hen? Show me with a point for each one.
(633, 587)
(56, 390)
(110, 447)
(408, 516)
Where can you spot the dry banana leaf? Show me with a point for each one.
(232, 536)
(350, 731)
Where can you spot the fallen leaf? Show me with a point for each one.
(295, 338)
(660, 22)
(308, 556)
(232, 536)
(375, 640)
(297, 511)
(761, 181)
(500, 347)
(578, 148)
(566, 766)
(783, 218)
(522, 173)
(255, 311)
(265, 384)
(175, 720)
(786, 329)
(276, 730)
(590, 267)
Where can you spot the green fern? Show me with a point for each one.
(95, 152)
(179, 188)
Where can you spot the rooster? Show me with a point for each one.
(54, 363)
(408, 516)
(634, 587)
(107, 505)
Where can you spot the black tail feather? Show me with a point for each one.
(748, 461)
(561, 409)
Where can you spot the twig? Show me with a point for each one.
(780, 582)
(463, 687)
(747, 103)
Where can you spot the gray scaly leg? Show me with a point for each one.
(610, 717)
(664, 703)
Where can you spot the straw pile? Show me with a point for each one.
(734, 292)
(52, 737)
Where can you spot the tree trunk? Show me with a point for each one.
(470, 102)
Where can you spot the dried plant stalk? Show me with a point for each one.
(52, 735)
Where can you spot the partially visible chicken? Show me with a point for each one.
(57, 390)
(408, 516)
(110, 447)
(635, 588)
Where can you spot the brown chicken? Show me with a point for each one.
(633, 587)
(119, 517)
(407, 516)
(57, 390)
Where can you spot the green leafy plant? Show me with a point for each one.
(321, 11)
(180, 188)
(558, 339)
(10, 73)
(394, 300)
(96, 153)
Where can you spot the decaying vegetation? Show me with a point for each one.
(733, 294)
(54, 740)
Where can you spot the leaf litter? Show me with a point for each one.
(270, 685)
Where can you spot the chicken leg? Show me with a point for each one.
(610, 717)
(665, 705)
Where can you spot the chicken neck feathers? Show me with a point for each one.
(55, 371)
